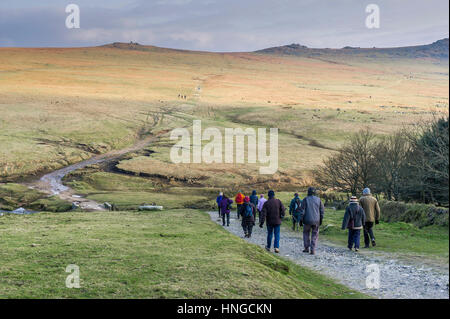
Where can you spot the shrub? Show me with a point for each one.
(334, 199)
(420, 215)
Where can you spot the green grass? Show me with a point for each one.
(91, 182)
(13, 196)
(169, 254)
(131, 200)
(129, 192)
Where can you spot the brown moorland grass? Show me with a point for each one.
(59, 106)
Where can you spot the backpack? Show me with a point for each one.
(281, 211)
(298, 205)
(351, 222)
(248, 211)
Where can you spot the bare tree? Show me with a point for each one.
(352, 167)
(408, 165)
(429, 161)
(391, 154)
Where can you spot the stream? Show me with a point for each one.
(52, 184)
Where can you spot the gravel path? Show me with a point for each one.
(397, 279)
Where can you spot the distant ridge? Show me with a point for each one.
(435, 50)
(139, 47)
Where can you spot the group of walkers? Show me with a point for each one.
(359, 215)
(307, 213)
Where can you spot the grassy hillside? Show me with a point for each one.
(59, 106)
(170, 254)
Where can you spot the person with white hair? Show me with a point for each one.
(261, 202)
(372, 210)
(218, 200)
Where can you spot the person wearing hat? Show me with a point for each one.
(272, 212)
(354, 219)
(294, 211)
(248, 212)
(372, 210)
(311, 216)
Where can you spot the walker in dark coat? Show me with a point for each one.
(248, 221)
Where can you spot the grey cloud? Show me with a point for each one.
(223, 25)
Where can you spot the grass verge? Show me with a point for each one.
(170, 254)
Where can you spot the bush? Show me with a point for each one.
(420, 215)
(334, 199)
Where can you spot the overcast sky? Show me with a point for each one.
(223, 25)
